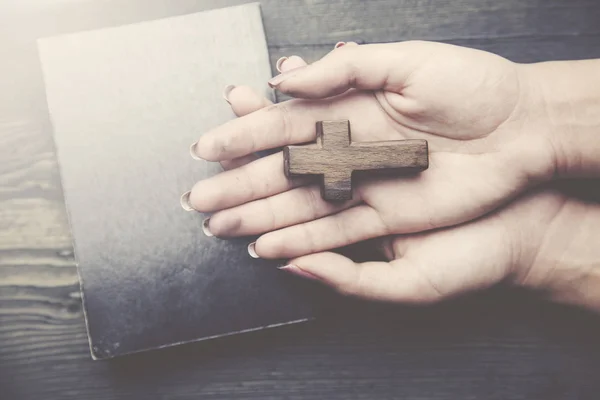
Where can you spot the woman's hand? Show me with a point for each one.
(471, 106)
(544, 240)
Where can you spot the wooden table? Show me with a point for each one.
(500, 345)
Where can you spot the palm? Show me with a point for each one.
(446, 263)
(460, 109)
(460, 100)
(431, 266)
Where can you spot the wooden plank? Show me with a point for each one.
(391, 20)
(523, 50)
(505, 347)
(487, 350)
(32, 213)
(310, 22)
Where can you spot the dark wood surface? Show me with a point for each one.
(500, 345)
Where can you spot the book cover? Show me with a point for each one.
(125, 104)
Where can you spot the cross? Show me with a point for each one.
(335, 158)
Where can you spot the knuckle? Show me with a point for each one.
(245, 176)
(313, 202)
(341, 228)
(284, 119)
(309, 238)
(273, 221)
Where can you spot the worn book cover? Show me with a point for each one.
(125, 104)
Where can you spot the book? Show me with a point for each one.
(125, 105)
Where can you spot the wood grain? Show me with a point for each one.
(495, 347)
(334, 158)
(490, 348)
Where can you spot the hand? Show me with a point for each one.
(545, 241)
(470, 105)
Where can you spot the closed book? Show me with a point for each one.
(125, 104)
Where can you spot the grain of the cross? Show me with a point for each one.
(335, 157)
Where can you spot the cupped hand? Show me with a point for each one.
(540, 241)
(471, 106)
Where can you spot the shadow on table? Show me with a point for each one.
(501, 342)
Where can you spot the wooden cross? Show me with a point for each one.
(335, 158)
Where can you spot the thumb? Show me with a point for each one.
(366, 67)
(397, 281)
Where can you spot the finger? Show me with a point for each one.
(397, 281)
(341, 44)
(285, 209)
(285, 64)
(346, 227)
(245, 100)
(289, 122)
(261, 178)
(367, 67)
(238, 162)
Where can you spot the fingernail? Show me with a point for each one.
(279, 63)
(193, 151)
(277, 80)
(205, 227)
(339, 44)
(226, 92)
(185, 201)
(296, 270)
(252, 250)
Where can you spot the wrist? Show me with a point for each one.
(566, 112)
(558, 255)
